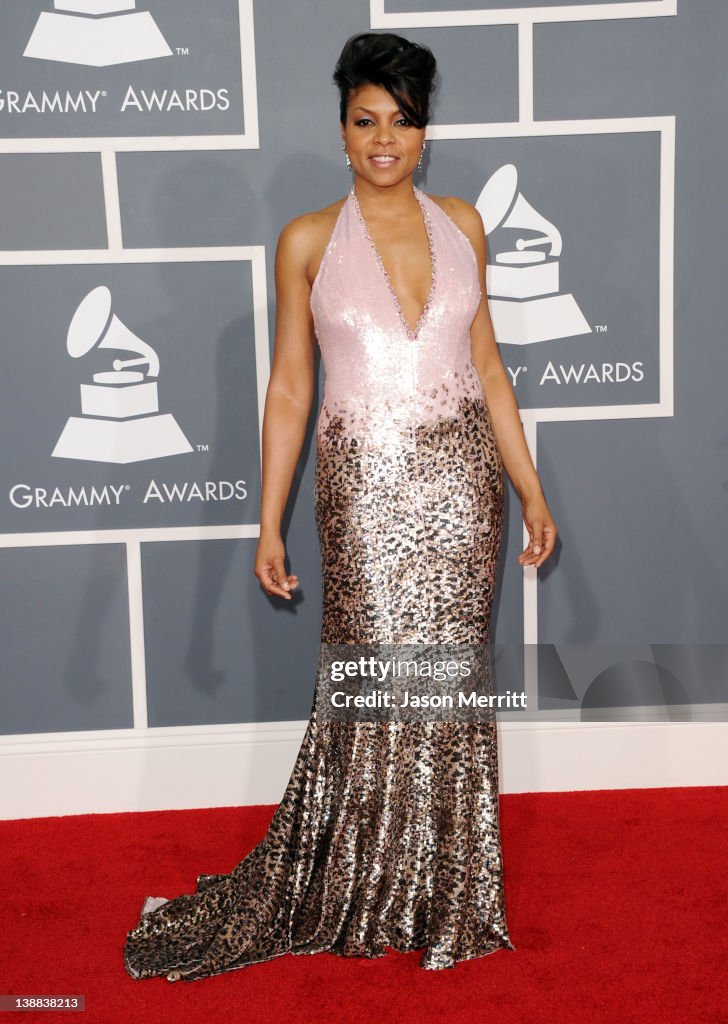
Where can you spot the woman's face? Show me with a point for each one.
(383, 146)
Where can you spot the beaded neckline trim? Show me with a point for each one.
(412, 334)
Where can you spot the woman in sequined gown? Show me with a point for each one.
(388, 833)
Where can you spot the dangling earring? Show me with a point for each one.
(422, 151)
(348, 161)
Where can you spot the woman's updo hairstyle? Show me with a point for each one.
(406, 70)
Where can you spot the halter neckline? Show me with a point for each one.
(412, 333)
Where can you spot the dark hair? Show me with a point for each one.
(406, 70)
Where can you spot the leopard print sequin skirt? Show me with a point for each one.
(388, 832)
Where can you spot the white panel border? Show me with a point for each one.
(249, 138)
(380, 18)
(255, 255)
(665, 127)
(116, 771)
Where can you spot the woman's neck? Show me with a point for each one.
(387, 201)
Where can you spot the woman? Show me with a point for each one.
(388, 833)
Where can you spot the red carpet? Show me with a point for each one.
(616, 902)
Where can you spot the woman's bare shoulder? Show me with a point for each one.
(463, 213)
(308, 229)
(304, 239)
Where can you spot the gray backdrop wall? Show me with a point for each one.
(148, 161)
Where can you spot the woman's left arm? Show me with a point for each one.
(503, 405)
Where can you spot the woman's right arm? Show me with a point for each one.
(288, 401)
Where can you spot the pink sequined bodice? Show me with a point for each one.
(382, 377)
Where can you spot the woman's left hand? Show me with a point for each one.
(541, 528)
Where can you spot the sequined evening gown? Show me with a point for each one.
(388, 833)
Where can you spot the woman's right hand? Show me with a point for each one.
(269, 567)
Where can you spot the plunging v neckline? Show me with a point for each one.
(412, 333)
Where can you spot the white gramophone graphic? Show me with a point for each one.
(523, 285)
(120, 419)
(97, 33)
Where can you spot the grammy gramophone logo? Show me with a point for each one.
(524, 294)
(97, 33)
(120, 419)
